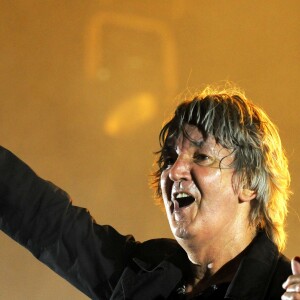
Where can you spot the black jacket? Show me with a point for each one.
(104, 264)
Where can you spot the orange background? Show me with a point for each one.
(85, 86)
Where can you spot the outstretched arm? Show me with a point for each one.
(42, 218)
(292, 284)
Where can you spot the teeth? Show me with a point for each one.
(182, 195)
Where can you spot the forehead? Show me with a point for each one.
(192, 136)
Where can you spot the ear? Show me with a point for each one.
(246, 195)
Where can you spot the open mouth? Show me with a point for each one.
(184, 199)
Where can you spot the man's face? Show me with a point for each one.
(197, 189)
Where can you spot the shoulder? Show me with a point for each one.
(284, 264)
(151, 253)
(283, 267)
(282, 270)
(158, 248)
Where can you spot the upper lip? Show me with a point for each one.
(181, 199)
(181, 194)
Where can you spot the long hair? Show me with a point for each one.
(260, 163)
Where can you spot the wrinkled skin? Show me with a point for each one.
(207, 216)
(212, 225)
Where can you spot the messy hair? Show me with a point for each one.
(260, 163)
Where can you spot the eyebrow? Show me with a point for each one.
(198, 144)
(171, 142)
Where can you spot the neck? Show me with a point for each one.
(203, 278)
(215, 263)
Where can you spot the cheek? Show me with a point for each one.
(165, 185)
(214, 181)
(207, 177)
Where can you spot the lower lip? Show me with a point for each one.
(179, 212)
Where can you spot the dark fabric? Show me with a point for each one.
(215, 292)
(104, 264)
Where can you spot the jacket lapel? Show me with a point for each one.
(145, 281)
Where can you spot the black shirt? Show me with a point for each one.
(104, 264)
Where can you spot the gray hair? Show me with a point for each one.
(260, 163)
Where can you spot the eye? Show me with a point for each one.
(169, 161)
(168, 158)
(203, 159)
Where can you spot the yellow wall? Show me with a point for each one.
(85, 86)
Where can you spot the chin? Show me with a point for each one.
(181, 233)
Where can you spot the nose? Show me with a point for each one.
(181, 169)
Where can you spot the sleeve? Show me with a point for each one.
(41, 217)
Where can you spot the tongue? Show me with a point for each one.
(185, 201)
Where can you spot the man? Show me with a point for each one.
(223, 178)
